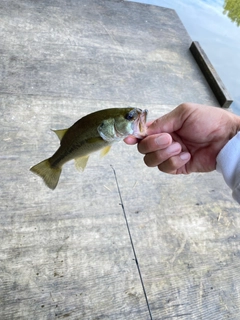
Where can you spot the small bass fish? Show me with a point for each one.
(96, 131)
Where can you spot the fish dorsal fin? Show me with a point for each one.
(81, 162)
(60, 133)
(105, 151)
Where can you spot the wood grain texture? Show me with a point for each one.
(211, 75)
(66, 254)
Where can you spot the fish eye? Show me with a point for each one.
(130, 115)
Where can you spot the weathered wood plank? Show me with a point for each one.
(67, 254)
(211, 75)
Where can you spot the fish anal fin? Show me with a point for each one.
(105, 151)
(60, 133)
(81, 162)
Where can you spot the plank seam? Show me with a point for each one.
(132, 244)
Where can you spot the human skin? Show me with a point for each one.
(188, 139)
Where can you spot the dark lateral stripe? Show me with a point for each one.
(211, 75)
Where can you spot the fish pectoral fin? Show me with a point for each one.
(94, 140)
(105, 151)
(81, 162)
(60, 133)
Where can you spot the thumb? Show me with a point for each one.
(171, 121)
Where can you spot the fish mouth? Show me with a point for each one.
(139, 125)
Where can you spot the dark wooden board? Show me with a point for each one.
(211, 75)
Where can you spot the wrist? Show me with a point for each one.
(235, 125)
(238, 123)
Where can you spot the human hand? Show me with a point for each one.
(188, 139)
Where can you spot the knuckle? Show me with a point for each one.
(170, 166)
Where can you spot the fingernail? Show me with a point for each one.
(162, 140)
(185, 156)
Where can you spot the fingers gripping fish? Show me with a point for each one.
(96, 131)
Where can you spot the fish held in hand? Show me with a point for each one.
(96, 131)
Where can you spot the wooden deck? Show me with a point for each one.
(66, 254)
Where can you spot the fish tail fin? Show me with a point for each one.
(49, 174)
